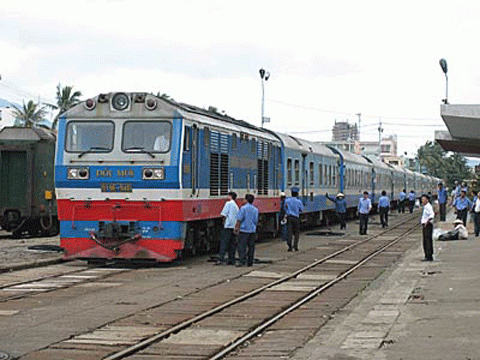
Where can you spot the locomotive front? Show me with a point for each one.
(117, 178)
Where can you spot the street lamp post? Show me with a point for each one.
(443, 65)
(264, 75)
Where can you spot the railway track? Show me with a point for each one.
(216, 321)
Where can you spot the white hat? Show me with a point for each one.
(340, 195)
(458, 221)
(282, 194)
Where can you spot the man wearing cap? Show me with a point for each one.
(442, 201)
(383, 208)
(462, 204)
(364, 207)
(293, 207)
(340, 208)
(246, 229)
(427, 228)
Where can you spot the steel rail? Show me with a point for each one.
(185, 324)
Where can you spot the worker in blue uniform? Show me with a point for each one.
(384, 208)
(340, 208)
(442, 201)
(293, 207)
(246, 229)
(401, 201)
(462, 204)
(411, 200)
(364, 207)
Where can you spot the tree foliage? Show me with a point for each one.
(439, 163)
(30, 114)
(66, 98)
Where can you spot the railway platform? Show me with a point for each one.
(416, 310)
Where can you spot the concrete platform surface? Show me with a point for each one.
(417, 310)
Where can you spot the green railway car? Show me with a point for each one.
(27, 190)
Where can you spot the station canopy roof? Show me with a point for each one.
(463, 123)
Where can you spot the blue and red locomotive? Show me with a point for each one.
(141, 177)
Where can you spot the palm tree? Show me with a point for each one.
(29, 115)
(66, 98)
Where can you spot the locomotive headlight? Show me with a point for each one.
(78, 173)
(153, 173)
(120, 101)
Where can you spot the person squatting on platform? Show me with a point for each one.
(459, 232)
(293, 207)
(427, 228)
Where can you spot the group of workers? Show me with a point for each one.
(240, 225)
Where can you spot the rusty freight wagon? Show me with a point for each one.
(27, 190)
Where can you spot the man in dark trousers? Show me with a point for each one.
(462, 204)
(383, 208)
(340, 208)
(364, 207)
(411, 200)
(427, 227)
(293, 207)
(442, 201)
(246, 228)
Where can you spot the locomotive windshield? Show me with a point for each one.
(151, 136)
(87, 136)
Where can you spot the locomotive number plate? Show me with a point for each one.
(116, 187)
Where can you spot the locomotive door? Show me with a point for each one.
(194, 159)
(190, 159)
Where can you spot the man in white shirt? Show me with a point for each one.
(427, 226)
(228, 238)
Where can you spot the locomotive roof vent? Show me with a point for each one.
(103, 98)
(150, 103)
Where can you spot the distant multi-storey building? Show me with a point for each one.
(343, 131)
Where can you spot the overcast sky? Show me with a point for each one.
(328, 60)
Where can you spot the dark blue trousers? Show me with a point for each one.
(246, 248)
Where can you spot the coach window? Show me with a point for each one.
(320, 174)
(334, 176)
(312, 174)
(89, 136)
(297, 172)
(289, 172)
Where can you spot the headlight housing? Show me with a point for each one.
(78, 173)
(153, 173)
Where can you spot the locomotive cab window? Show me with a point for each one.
(152, 136)
(88, 136)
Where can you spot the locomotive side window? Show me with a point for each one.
(206, 137)
(89, 136)
(312, 174)
(151, 136)
(234, 142)
(187, 139)
(320, 174)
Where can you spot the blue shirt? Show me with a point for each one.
(402, 196)
(340, 204)
(442, 195)
(293, 206)
(248, 217)
(384, 202)
(364, 205)
(461, 204)
(412, 196)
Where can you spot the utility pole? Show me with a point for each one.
(380, 130)
(359, 120)
(264, 75)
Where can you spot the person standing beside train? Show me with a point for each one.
(293, 207)
(427, 228)
(476, 213)
(411, 200)
(246, 229)
(340, 208)
(383, 208)
(442, 201)
(282, 217)
(227, 237)
(401, 201)
(462, 204)
(364, 207)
